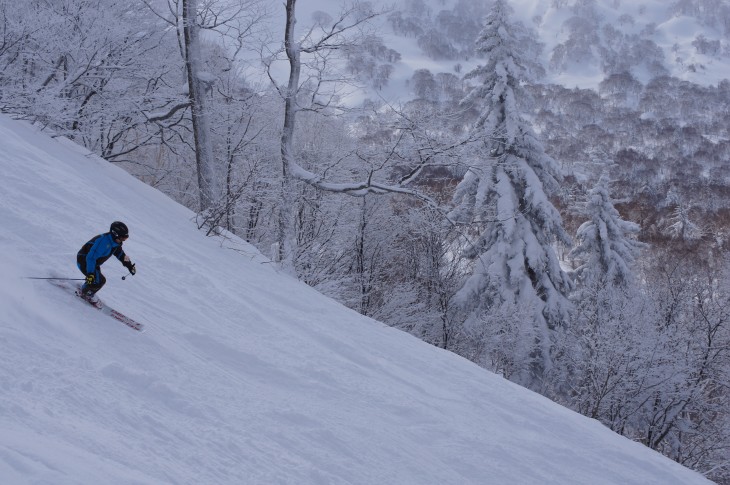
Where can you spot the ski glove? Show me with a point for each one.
(130, 266)
(90, 279)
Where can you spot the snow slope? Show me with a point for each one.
(244, 376)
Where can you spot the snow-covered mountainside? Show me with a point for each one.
(685, 40)
(244, 375)
(584, 41)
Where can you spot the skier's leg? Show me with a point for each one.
(99, 281)
(81, 263)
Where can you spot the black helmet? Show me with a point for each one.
(119, 230)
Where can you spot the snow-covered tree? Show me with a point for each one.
(504, 194)
(681, 227)
(91, 71)
(683, 411)
(311, 57)
(232, 22)
(319, 93)
(603, 352)
(197, 77)
(605, 355)
(605, 246)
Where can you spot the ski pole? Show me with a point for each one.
(64, 279)
(125, 276)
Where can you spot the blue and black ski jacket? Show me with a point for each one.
(95, 252)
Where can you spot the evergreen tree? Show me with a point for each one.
(605, 350)
(680, 226)
(505, 194)
(605, 247)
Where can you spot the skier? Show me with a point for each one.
(95, 252)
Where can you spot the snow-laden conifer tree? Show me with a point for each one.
(604, 352)
(504, 194)
(681, 227)
(605, 247)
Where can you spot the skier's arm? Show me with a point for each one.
(121, 255)
(126, 262)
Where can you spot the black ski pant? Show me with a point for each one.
(99, 279)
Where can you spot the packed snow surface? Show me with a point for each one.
(244, 375)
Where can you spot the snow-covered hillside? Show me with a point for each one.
(650, 38)
(615, 22)
(244, 375)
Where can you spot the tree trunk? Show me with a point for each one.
(285, 236)
(201, 129)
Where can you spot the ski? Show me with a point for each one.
(122, 318)
(102, 307)
(109, 311)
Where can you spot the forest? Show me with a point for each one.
(572, 240)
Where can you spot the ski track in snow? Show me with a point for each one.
(243, 375)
